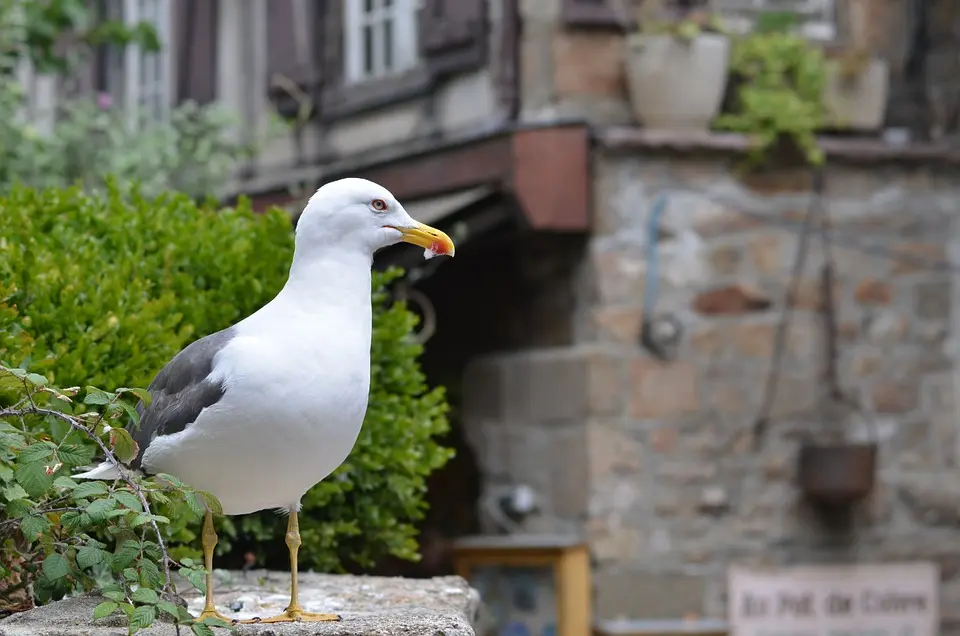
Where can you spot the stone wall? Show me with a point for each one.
(686, 493)
(654, 461)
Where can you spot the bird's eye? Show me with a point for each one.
(379, 205)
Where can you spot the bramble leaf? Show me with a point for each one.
(34, 526)
(123, 445)
(56, 566)
(104, 609)
(90, 555)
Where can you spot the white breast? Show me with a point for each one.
(295, 400)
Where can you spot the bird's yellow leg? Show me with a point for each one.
(209, 541)
(294, 612)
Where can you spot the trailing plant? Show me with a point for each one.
(59, 536)
(194, 151)
(780, 78)
(655, 17)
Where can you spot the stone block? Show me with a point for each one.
(910, 258)
(732, 299)
(588, 63)
(607, 383)
(795, 395)
(809, 294)
(932, 299)
(618, 324)
(726, 395)
(557, 384)
(612, 540)
(707, 339)
(663, 390)
(527, 446)
(368, 605)
(873, 292)
(725, 259)
(568, 462)
(620, 275)
(612, 450)
(771, 252)
(885, 326)
(895, 395)
(754, 339)
(629, 592)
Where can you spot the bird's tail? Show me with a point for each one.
(105, 470)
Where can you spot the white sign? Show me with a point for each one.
(897, 599)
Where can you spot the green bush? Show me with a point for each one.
(104, 290)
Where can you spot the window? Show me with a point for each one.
(380, 38)
(817, 16)
(142, 79)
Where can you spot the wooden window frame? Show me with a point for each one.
(405, 54)
(464, 47)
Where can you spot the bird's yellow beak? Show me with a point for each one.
(428, 238)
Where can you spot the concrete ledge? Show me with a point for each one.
(370, 606)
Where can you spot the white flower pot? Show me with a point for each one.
(859, 103)
(677, 85)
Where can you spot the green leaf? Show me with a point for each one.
(90, 555)
(39, 452)
(34, 526)
(201, 629)
(104, 609)
(170, 479)
(144, 595)
(15, 491)
(130, 575)
(211, 502)
(141, 394)
(34, 478)
(65, 482)
(150, 573)
(18, 508)
(89, 489)
(114, 593)
(96, 397)
(128, 500)
(98, 509)
(196, 577)
(75, 454)
(125, 553)
(143, 617)
(195, 504)
(169, 608)
(123, 445)
(36, 379)
(56, 566)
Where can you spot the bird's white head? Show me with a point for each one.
(359, 214)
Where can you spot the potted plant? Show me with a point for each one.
(676, 67)
(779, 79)
(856, 89)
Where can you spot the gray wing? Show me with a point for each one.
(180, 391)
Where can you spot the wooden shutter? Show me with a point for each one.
(329, 53)
(453, 35)
(596, 13)
(196, 55)
(292, 72)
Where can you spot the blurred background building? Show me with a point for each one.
(628, 328)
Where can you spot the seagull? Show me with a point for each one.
(260, 412)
